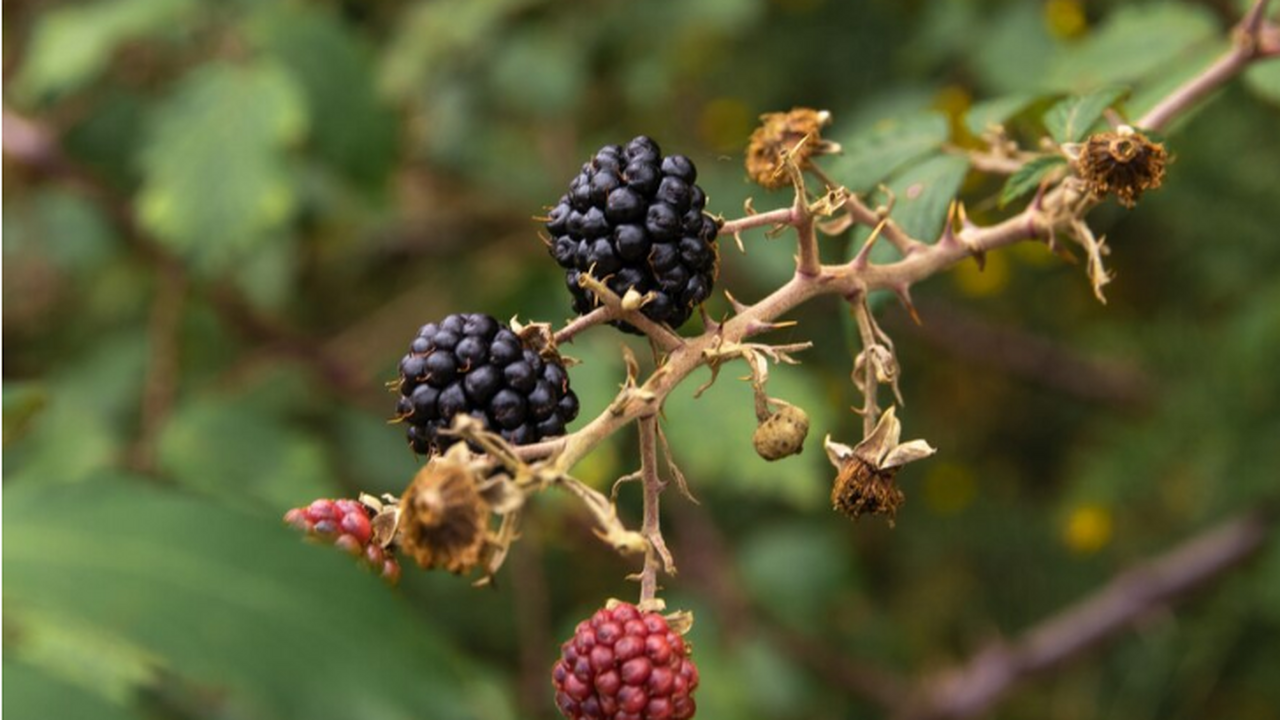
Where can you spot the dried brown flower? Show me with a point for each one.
(444, 521)
(861, 488)
(796, 134)
(1124, 162)
(865, 473)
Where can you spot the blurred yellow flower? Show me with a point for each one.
(1088, 529)
(1065, 18)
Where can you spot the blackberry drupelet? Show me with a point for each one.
(634, 219)
(472, 364)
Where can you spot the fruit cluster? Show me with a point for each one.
(471, 364)
(634, 220)
(624, 664)
(346, 524)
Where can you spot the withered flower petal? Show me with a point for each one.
(444, 521)
(1124, 162)
(797, 134)
(865, 473)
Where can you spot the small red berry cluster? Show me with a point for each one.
(624, 664)
(346, 524)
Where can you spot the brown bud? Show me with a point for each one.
(797, 134)
(443, 519)
(781, 434)
(1124, 162)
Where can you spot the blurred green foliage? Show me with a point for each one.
(267, 198)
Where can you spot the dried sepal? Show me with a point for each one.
(385, 522)
(865, 473)
(1125, 163)
(444, 520)
(782, 138)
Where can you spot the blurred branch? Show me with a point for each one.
(974, 687)
(531, 605)
(1015, 352)
(161, 384)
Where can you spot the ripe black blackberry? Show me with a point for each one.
(470, 363)
(634, 219)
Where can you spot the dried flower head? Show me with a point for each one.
(444, 520)
(796, 135)
(1124, 162)
(865, 473)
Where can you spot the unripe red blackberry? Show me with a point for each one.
(624, 664)
(472, 364)
(634, 220)
(346, 524)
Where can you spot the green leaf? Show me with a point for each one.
(235, 449)
(22, 402)
(72, 45)
(101, 412)
(1134, 42)
(871, 156)
(923, 193)
(797, 567)
(37, 693)
(1028, 177)
(1264, 80)
(230, 601)
(105, 664)
(63, 226)
(1069, 119)
(216, 183)
(1015, 51)
(350, 125)
(982, 116)
(541, 72)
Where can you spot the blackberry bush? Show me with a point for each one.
(632, 225)
(634, 220)
(471, 364)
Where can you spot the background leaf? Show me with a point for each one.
(232, 599)
(36, 693)
(1070, 119)
(874, 154)
(1028, 177)
(995, 111)
(352, 127)
(71, 45)
(216, 179)
(923, 192)
(1134, 42)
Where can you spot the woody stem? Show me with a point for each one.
(650, 527)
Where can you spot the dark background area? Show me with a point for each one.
(224, 221)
